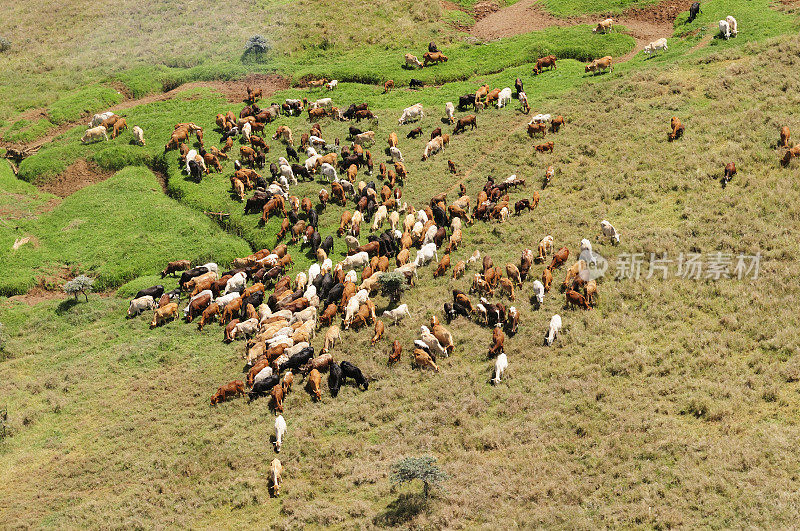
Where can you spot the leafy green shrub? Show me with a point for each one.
(80, 284)
(392, 285)
(423, 468)
(256, 44)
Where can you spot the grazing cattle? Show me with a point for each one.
(280, 431)
(730, 171)
(389, 85)
(412, 61)
(398, 313)
(464, 122)
(466, 101)
(432, 147)
(576, 299)
(411, 113)
(785, 134)
(98, 119)
(556, 123)
(559, 258)
(442, 267)
(545, 62)
(591, 292)
(789, 155)
(433, 57)
(694, 10)
(653, 47)
(275, 472)
(162, 315)
(416, 83)
(349, 370)
(500, 366)
(119, 125)
(208, 315)
(677, 129)
(724, 29)
(140, 304)
(138, 135)
(154, 291)
(335, 379)
(604, 26)
(523, 102)
(423, 360)
(547, 278)
(228, 391)
(450, 110)
(276, 402)
(504, 98)
(498, 339)
(600, 65)
(553, 330)
(397, 351)
(537, 128)
(538, 294)
(365, 138)
(95, 133)
(414, 133)
(733, 25)
(609, 231)
(379, 327)
(313, 384)
(332, 335)
(442, 335)
(547, 146)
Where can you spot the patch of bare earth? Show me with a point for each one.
(644, 24)
(79, 174)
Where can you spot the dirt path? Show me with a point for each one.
(643, 24)
(232, 90)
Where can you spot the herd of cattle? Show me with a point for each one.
(278, 314)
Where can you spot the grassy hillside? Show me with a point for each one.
(672, 404)
(116, 230)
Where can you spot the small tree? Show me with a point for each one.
(5, 44)
(392, 285)
(79, 284)
(423, 468)
(256, 44)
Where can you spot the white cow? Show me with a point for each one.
(586, 248)
(725, 29)
(332, 84)
(500, 366)
(555, 327)
(300, 281)
(433, 344)
(138, 135)
(141, 304)
(426, 254)
(98, 119)
(314, 140)
(538, 292)
(733, 25)
(430, 235)
(540, 119)
(351, 276)
(246, 131)
(433, 147)
(380, 217)
(236, 283)
(310, 163)
(227, 299)
(411, 113)
(504, 98)
(322, 102)
(609, 231)
(246, 328)
(398, 313)
(329, 172)
(95, 133)
(350, 311)
(660, 44)
(450, 110)
(264, 373)
(411, 60)
(280, 431)
(396, 154)
(313, 271)
(356, 261)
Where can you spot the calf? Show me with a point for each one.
(730, 171)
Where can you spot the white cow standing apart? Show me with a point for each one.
(500, 366)
(609, 231)
(398, 313)
(450, 110)
(725, 29)
(555, 328)
(411, 113)
(538, 292)
(280, 431)
(653, 47)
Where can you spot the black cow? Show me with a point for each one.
(334, 378)
(449, 312)
(195, 170)
(335, 294)
(694, 11)
(255, 299)
(518, 86)
(327, 244)
(351, 371)
(354, 131)
(256, 203)
(154, 291)
(316, 241)
(325, 285)
(298, 360)
(432, 47)
(263, 387)
(300, 171)
(466, 101)
(313, 219)
(416, 83)
(291, 153)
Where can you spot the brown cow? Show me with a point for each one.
(286, 383)
(730, 171)
(576, 299)
(231, 309)
(591, 292)
(208, 315)
(227, 391)
(556, 123)
(498, 338)
(173, 267)
(433, 57)
(785, 134)
(170, 311)
(197, 306)
(559, 258)
(313, 385)
(444, 263)
(547, 278)
(596, 66)
(548, 61)
(677, 129)
(537, 128)
(462, 123)
(397, 351)
(379, 327)
(388, 86)
(789, 155)
(423, 360)
(276, 402)
(547, 146)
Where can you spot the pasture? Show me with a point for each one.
(672, 403)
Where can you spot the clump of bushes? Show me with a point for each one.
(256, 44)
(5, 44)
(80, 284)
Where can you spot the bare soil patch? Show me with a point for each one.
(79, 174)
(644, 24)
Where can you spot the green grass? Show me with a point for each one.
(26, 130)
(459, 18)
(82, 102)
(571, 8)
(115, 231)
